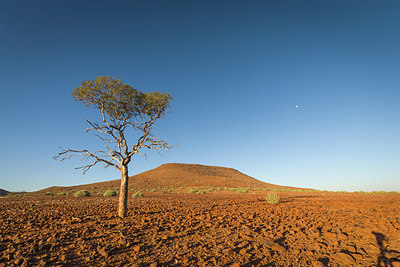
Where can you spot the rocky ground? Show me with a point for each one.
(214, 229)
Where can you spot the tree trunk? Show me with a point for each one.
(123, 193)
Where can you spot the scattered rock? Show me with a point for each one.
(317, 264)
(278, 247)
(330, 235)
(344, 258)
(217, 229)
(228, 251)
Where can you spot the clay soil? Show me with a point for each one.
(214, 229)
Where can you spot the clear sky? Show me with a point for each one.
(236, 71)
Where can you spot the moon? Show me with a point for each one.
(297, 106)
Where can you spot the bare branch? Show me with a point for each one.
(111, 152)
(69, 153)
(153, 143)
(97, 127)
(143, 154)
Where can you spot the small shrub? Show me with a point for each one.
(82, 193)
(138, 194)
(241, 190)
(192, 191)
(110, 193)
(61, 194)
(273, 198)
(15, 194)
(49, 194)
(201, 192)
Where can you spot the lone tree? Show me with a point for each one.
(122, 108)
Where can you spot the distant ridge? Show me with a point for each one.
(178, 175)
(3, 192)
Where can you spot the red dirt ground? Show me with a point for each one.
(214, 229)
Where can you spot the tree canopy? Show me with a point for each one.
(120, 101)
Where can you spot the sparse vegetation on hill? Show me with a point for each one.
(179, 178)
(15, 194)
(110, 193)
(138, 194)
(82, 193)
(192, 191)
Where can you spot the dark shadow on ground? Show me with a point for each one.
(383, 258)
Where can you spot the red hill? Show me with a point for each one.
(175, 175)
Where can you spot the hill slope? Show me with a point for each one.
(3, 192)
(177, 175)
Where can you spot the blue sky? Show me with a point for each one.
(236, 71)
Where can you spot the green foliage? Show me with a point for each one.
(62, 194)
(192, 191)
(82, 193)
(241, 190)
(120, 101)
(201, 192)
(110, 193)
(138, 194)
(273, 198)
(15, 194)
(238, 190)
(49, 194)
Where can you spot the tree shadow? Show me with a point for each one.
(383, 259)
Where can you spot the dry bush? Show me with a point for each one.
(82, 193)
(138, 194)
(110, 193)
(273, 198)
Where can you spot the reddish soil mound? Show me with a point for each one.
(175, 175)
(305, 229)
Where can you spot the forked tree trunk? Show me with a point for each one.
(123, 193)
